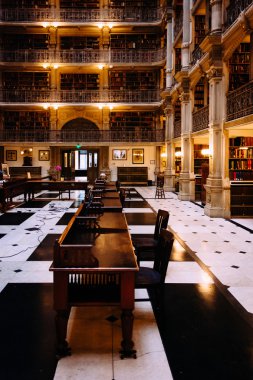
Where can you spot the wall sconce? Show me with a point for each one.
(178, 153)
(164, 155)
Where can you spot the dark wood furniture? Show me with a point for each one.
(34, 186)
(133, 175)
(94, 263)
(241, 198)
(21, 171)
(10, 189)
(145, 246)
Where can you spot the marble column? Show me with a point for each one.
(217, 184)
(186, 177)
(169, 172)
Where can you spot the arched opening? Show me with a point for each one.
(79, 161)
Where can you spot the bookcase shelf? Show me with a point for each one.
(79, 42)
(133, 175)
(79, 82)
(199, 32)
(79, 4)
(132, 119)
(24, 3)
(139, 80)
(26, 120)
(239, 66)
(199, 94)
(241, 158)
(25, 41)
(135, 41)
(26, 80)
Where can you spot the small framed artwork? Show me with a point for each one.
(138, 156)
(11, 155)
(5, 170)
(119, 154)
(44, 155)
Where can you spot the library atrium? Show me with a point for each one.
(154, 98)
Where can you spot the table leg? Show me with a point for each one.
(61, 323)
(127, 318)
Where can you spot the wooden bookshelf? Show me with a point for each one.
(26, 120)
(241, 198)
(25, 41)
(133, 80)
(135, 41)
(133, 3)
(132, 119)
(239, 67)
(79, 42)
(132, 175)
(79, 82)
(199, 95)
(199, 31)
(79, 4)
(241, 158)
(24, 3)
(26, 80)
(178, 59)
(199, 159)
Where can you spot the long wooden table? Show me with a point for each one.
(34, 186)
(94, 264)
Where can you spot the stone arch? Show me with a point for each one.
(82, 129)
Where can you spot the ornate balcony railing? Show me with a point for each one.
(234, 10)
(196, 55)
(129, 14)
(79, 96)
(87, 136)
(83, 56)
(177, 128)
(200, 119)
(240, 102)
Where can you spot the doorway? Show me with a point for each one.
(80, 163)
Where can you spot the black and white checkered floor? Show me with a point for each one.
(202, 331)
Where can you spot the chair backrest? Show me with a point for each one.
(163, 253)
(161, 222)
(122, 196)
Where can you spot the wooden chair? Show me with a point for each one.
(144, 246)
(159, 193)
(154, 278)
(122, 196)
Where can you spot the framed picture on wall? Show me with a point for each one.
(138, 156)
(119, 154)
(11, 155)
(44, 155)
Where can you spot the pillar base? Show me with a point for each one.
(215, 199)
(186, 187)
(169, 181)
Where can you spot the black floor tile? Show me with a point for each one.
(2, 235)
(203, 336)
(14, 218)
(141, 218)
(27, 332)
(44, 252)
(33, 204)
(64, 220)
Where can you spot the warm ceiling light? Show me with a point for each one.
(55, 24)
(45, 65)
(205, 152)
(164, 155)
(111, 107)
(110, 25)
(178, 153)
(55, 66)
(100, 25)
(45, 24)
(55, 106)
(45, 106)
(100, 66)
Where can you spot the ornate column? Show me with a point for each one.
(169, 60)
(169, 172)
(186, 35)
(214, 185)
(186, 177)
(104, 162)
(216, 16)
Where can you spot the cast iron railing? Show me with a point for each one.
(200, 119)
(74, 136)
(240, 102)
(83, 56)
(79, 96)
